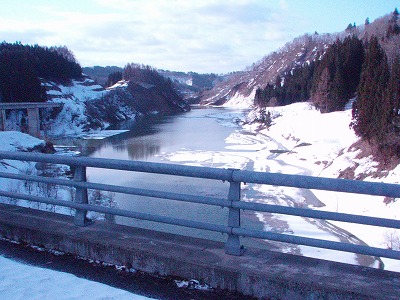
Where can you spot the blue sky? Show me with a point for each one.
(186, 35)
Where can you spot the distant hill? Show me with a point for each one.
(188, 84)
(239, 88)
(150, 91)
(100, 74)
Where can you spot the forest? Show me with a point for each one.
(349, 69)
(22, 67)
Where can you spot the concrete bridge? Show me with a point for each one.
(33, 114)
(258, 272)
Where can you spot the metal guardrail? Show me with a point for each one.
(233, 201)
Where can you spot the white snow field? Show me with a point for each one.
(22, 281)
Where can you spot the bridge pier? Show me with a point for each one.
(33, 121)
(33, 114)
(2, 120)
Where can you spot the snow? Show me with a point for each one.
(72, 118)
(238, 101)
(100, 135)
(84, 90)
(119, 84)
(300, 141)
(306, 142)
(21, 281)
(18, 141)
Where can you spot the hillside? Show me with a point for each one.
(239, 88)
(100, 74)
(88, 106)
(188, 84)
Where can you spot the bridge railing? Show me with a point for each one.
(233, 201)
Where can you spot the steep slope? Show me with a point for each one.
(88, 106)
(238, 89)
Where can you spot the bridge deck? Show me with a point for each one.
(258, 272)
(29, 105)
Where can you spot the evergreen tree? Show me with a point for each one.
(320, 97)
(370, 112)
(21, 66)
(113, 78)
(395, 15)
(18, 78)
(342, 62)
(393, 95)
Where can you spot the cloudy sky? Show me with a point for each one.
(185, 35)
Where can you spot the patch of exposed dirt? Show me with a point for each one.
(365, 149)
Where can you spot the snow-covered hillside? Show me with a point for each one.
(87, 106)
(243, 84)
(303, 49)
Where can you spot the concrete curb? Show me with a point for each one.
(261, 273)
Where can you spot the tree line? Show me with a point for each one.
(23, 66)
(376, 111)
(329, 82)
(150, 90)
(349, 69)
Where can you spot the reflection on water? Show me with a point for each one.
(152, 139)
(135, 142)
(140, 150)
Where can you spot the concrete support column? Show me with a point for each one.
(3, 120)
(232, 245)
(33, 121)
(81, 197)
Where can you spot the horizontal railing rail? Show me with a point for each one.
(233, 202)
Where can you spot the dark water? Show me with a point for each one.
(153, 139)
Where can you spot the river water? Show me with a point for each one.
(155, 139)
(209, 137)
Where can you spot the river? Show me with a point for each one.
(197, 137)
(210, 137)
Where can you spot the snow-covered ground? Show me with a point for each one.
(74, 117)
(303, 141)
(22, 281)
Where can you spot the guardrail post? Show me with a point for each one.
(81, 196)
(232, 245)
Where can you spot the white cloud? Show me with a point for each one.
(203, 36)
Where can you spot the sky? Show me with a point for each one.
(204, 36)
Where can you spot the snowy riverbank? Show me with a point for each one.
(303, 141)
(300, 141)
